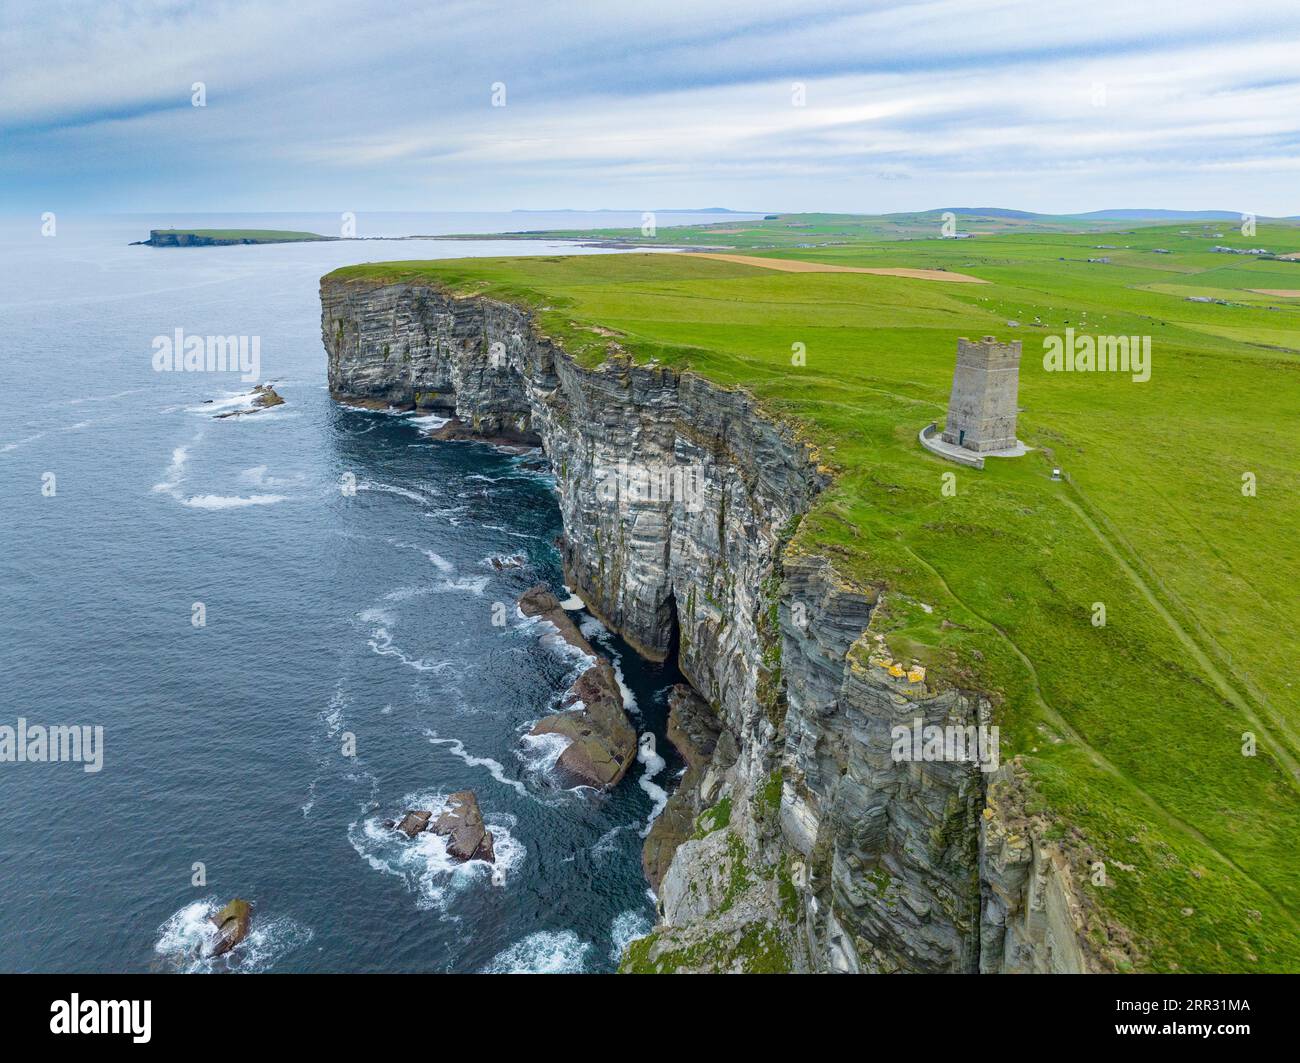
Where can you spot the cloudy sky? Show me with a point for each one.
(752, 104)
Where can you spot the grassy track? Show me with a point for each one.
(1133, 731)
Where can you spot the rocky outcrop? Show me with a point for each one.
(232, 923)
(460, 822)
(801, 844)
(602, 742)
(412, 823)
(539, 601)
(264, 397)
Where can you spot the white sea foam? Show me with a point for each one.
(594, 629)
(175, 472)
(423, 863)
(628, 926)
(232, 401)
(231, 501)
(549, 636)
(429, 420)
(654, 764)
(495, 768)
(187, 938)
(605, 844)
(332, 716)
(103, 398)
(629, 699)
(387, 411)
(543, 952)
(475, 585)
(435, 559)
(401, 594)
(392, 489)
(572, 602)
(450, 514)
(258, 477)
(540, 753)
(15, 444)
(381, 643)
(174, 476)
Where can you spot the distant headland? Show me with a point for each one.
(223, 237)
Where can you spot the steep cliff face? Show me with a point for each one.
(813, 849)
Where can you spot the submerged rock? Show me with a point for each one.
(462, 825)
(232, 925)
(264, 397)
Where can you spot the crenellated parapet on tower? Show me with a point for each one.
(985, 393)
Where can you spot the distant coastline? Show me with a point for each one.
(225, 237)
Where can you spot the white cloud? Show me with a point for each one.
(645, 104)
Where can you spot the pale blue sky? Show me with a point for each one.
(347, 105)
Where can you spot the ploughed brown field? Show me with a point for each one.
(789, 265)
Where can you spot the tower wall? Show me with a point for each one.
(985, 392)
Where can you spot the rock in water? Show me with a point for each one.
(232, 925)
(602, 741)
(414, 822)
(264, 396)
(538, 601)
(462, 825)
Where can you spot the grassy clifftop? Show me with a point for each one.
(1132, 731)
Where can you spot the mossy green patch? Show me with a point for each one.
(714, 818)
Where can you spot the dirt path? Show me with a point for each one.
(1284, 293)
(1280, 749)
(1056, 719)
(790, 265)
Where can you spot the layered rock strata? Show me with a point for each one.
(810, 847)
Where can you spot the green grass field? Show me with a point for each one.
(1132, 732)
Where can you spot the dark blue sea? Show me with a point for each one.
(128, 509)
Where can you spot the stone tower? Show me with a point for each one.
(985, 389)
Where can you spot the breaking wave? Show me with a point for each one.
(543, 952)
(186, 939)
(628, 926)
(423, 863)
